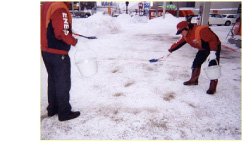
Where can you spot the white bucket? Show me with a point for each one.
(86, 62)
(213, 72)
(87, 67)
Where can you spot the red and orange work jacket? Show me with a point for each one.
(200, 37)
(56, 33)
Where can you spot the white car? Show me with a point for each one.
(230, 17)
(214, 19)
(195, 19)
(217, 19)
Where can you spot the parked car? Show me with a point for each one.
(82, 14)
(194, 19)
(214, 19)
(115, 13)
(217, 19)
(231, 17)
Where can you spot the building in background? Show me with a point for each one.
(83, 9)
(179, 9)
(110, 8)
(216, 7)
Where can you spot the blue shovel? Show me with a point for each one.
(155, 60)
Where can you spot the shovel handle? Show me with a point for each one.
(91, 37)
(76, 34)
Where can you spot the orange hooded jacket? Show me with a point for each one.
(200, 37)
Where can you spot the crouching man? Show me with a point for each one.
(208, 45)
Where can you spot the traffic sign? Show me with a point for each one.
(170, 6)
(146, 5)
(140, 5)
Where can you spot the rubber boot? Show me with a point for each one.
(194, 78)
(71, 115)
(212, 87)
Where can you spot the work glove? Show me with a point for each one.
(212, 55)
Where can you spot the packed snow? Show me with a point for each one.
(132, 99)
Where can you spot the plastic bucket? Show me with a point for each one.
(86, 62)
(213, 72)
(87, 67)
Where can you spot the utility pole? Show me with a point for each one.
(127, 3)
(205, 13)
(164, 10)
(177, 9)
(72, 7)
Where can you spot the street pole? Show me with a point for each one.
(177, 9)
(72, 7)
(206, 11)
(127, 3)
(164, 10)
(79, 9)
(126, 9)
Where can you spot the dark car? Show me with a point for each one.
(81, 14)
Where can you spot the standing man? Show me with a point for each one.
(56, 40)
(208, 45)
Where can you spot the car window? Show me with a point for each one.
(224, 16)
(231, 16)
(212, 15)
(218, 16)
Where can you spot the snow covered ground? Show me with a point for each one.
(132, 99)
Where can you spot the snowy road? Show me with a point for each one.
(132, 99)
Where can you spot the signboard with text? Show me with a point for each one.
(146, 5)
(106, 3)
(140, 5)
(152, 13)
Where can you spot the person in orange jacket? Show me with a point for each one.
(208, 45)
(56, 40)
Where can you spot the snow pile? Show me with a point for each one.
(161, 24)
(167, 21)
(127, 19)
(98, 24)
(140, 19)
(124, 19)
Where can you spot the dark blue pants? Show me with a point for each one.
(202, 55)
(59, 82)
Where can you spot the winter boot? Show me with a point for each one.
(212, 87)
(70, 116)
(50, 114)
(194, 77)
